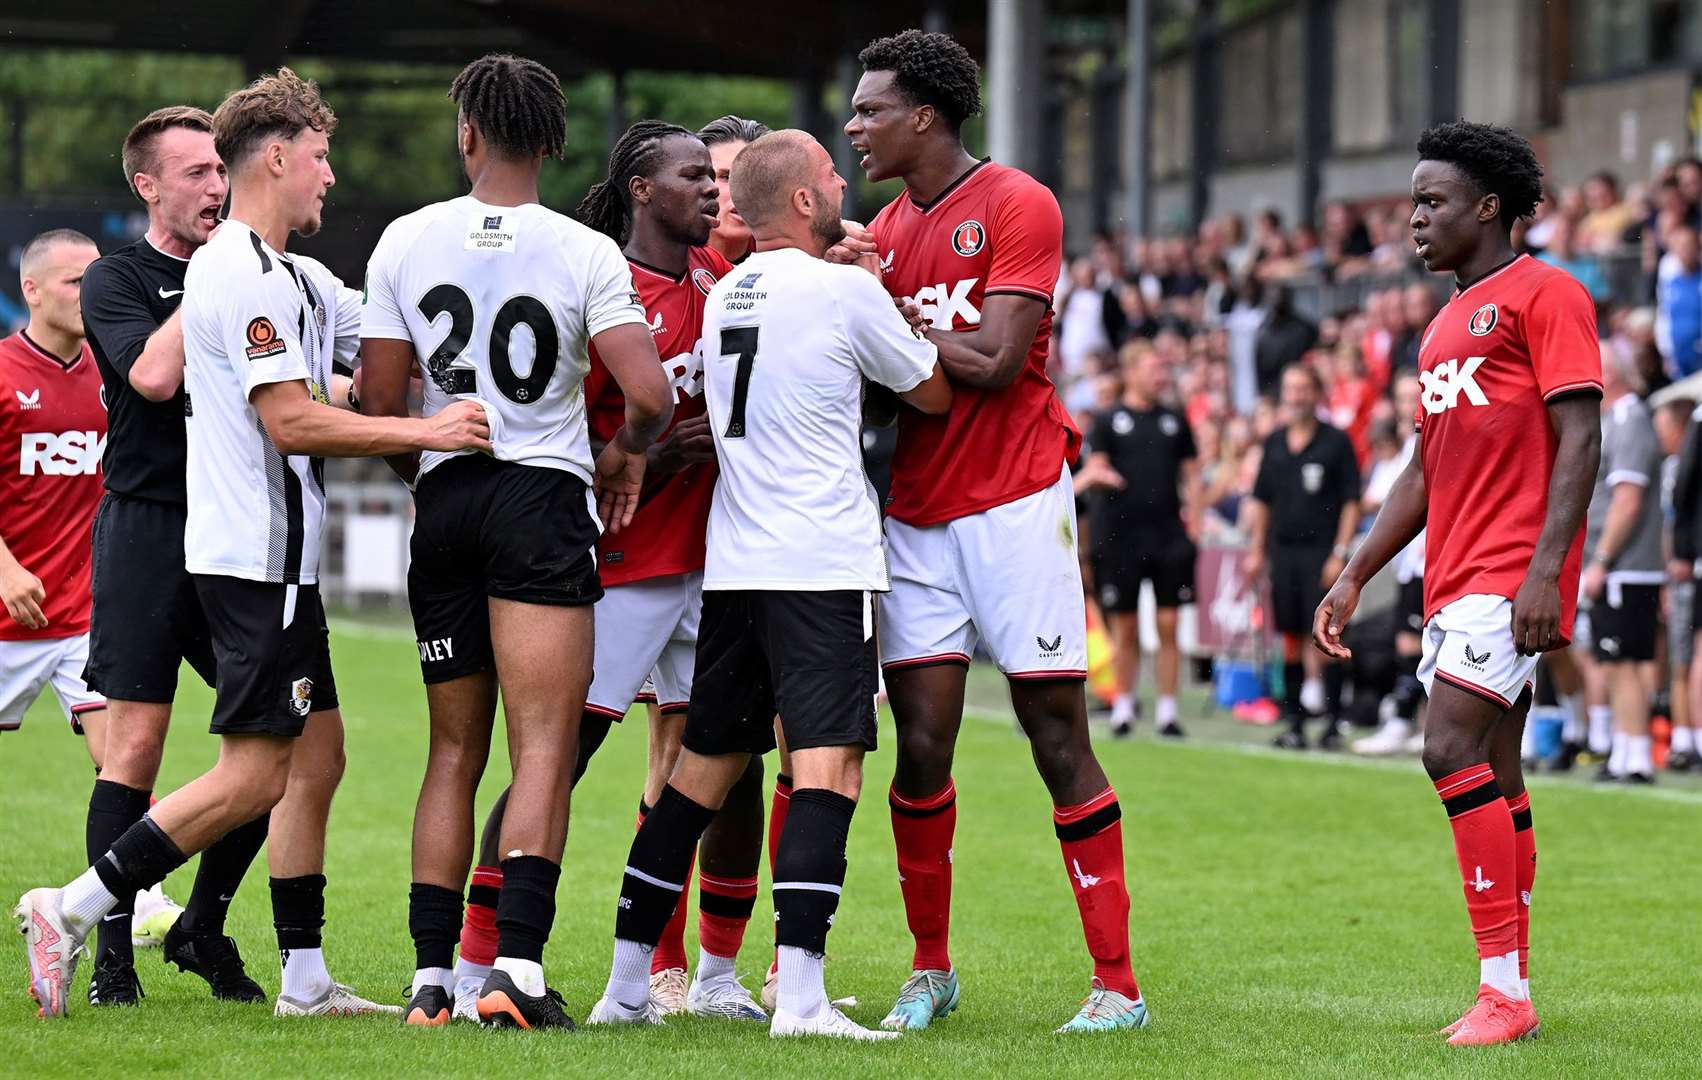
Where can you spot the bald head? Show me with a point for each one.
(784, 184)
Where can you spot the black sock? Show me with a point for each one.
(809, 868)
(1292, 676)
(139, 859)
(298, 911)
(661, 852)
(434, 920)
(113, 808)
(222, 867)
(526, 907)
(593, 729)
(1335, 676)
(1408, 690)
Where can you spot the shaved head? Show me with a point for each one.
(769, 171)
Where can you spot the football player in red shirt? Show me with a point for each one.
(660, 201)
(1509, 441)
(981, 522)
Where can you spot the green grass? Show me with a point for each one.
(1294, 916)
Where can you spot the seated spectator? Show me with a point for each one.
(1678, 304)
(1563, 252)
(1607, 219)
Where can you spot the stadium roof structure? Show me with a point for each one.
(752, 37)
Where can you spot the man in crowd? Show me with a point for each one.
(1303, 513)
(1146, 471)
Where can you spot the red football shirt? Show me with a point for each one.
(666, 534)
(52, 432)
(1489, 363)
(995, 230)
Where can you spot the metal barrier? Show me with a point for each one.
(365, 559)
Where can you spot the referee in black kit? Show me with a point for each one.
(146, 619)
(1304, 510)
(1144, 470)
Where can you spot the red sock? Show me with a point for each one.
(1091, 836)
(1525, 850)
(777, 815)
(671, 949)
(478, 932)
(922, 831)
(723, 911)
(1483, 842)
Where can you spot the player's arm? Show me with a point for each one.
(931, 395)
(1193, 501)
(117, 315)
(157, 373)
(386, 366)
(992, 355)
(297, 424)
(1624, 507)
(1576, 420)
(629, 353)
(885, 348)
(22, 591)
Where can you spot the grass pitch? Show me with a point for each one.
(1294, 916)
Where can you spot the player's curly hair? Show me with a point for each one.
(1498, 160)
(730, 128)
(283, 104)
(929, 69)
(607, 207)
(516, 104)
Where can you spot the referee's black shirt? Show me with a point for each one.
(1147, 447)
(126, 296)
(1305, 492)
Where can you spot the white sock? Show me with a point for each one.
(466, 969)
(802, 991)
(1683, 740)
(1616, 759)
(711, 967)
(439, 976)
(1165, 713)
(305, 977)
(1572, 724)
(1639, 754)
(1502, 972)
(84, 902)
(1122, 708)
(1312, 695)
(1528, 739)
(1525, 988)
(1601, 728)
(528, 975)
(629, 976)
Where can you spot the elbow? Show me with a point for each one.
(937, 402)
(1007, 365)
(154, 387)
(288, 433)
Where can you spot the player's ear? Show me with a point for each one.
(146, 189)
(803, 202)
(274, 156)
(30, 290)
(1489, 207)
(923, 118)
(639, 188)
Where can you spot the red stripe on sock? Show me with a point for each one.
(478, 927)
(671, 949)
(737, 888)
(1519, 802)
(1464, 780)
(1095, 868)
(777, 817)
(924, 846)
(724, 935)
(1065, 815)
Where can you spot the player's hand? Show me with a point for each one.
(688, 443)
(1332, 617)
(1253, 564)
(1679, 570)
(463, 425)
(619, 481)
(1333, 567)
(24, 596)
(1096, 473)
(1595, 580)
(912, 313)
(1536, 616)
(857, 247)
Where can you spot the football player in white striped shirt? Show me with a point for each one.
(260, 331)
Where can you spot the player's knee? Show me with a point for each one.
(1446, 752)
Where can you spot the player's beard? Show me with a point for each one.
(825, 223)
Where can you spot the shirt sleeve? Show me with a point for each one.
(116, 314)
(381, 311)
(1264, 485)
(1348, 466)
(1027, 235)
(1560, 331)
(610, 299)
(882, 344)
(1636, 453)
(259, 331)
(1099, 432)
(1185, 448)
(349, 305)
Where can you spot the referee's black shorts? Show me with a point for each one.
(1122, 562)
(1296, 586)
(274, 654)
(146, 617)
(810, 656)
(485, 528)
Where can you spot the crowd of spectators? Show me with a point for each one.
(1228, 306)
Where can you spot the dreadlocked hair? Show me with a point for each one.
(929, 69)
(730, 128)
(516, 104)
(607, 207)
(1497, 159)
